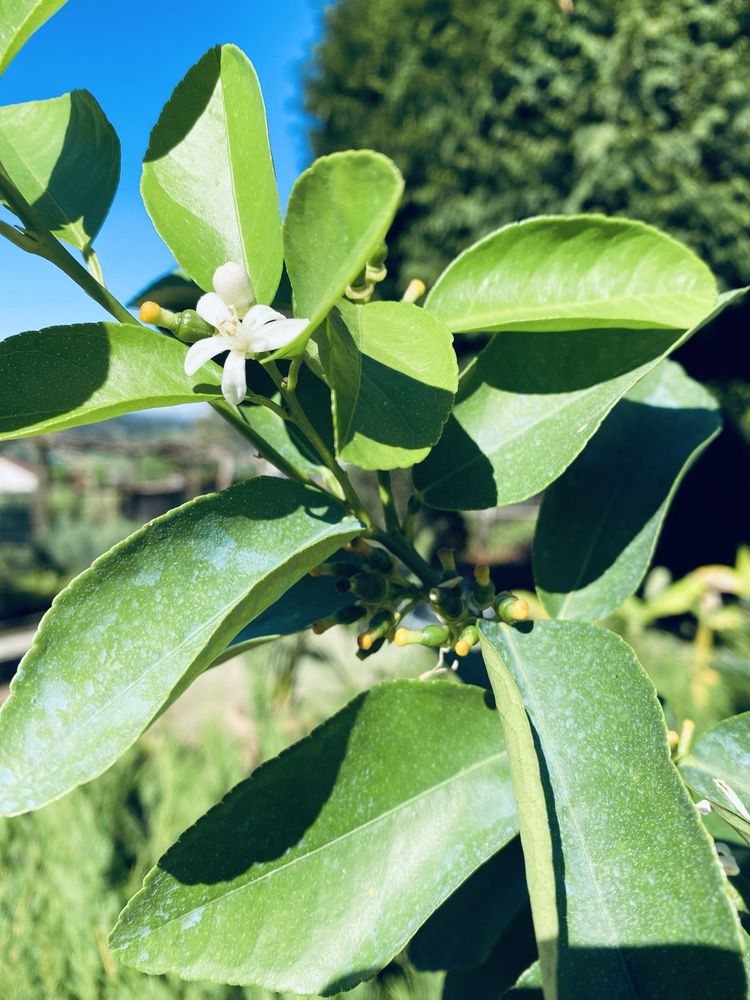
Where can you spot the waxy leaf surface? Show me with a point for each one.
(393, 374)
(64, 157)
(338, 212)
(208, 180)
(313, 873)
(159, 606)
(627, 894)
(19, 19)
(574, 273)
(527, 405)
(718, 769)
(64, 376)
(599, 523)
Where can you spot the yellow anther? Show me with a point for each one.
(462, 647)
(402, 637)
(365, 640)
(519, 609)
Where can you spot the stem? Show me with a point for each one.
(402, 547)
(291, 379)
(235, 417)
(268, 403)
(385, 492)
(301, 419)
(93, 264)
(47, 246)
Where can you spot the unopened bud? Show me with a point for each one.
(512, 609)
(482, 574)
(151, 312)
(376, 630)
(468, 638)
(414, 291)
(447, 601)
(346, 616)
(232, 283)
(431, 635)
(363, 653)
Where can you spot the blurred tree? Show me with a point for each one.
(499, 110)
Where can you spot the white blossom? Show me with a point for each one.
(242, 328)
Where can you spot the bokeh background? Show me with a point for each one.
(494, 112)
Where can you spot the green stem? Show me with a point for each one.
(385, 492)
(400, 546)
(301, 419)
(268, 403)
(47, 246)
(234, 416)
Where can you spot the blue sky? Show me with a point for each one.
(131, 56)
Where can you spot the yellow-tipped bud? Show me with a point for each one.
(365, 640)
(415, 290)
(520, 610)
(447, 561)
(431, 635)
(512, 609)
(482, 574)
(150, 312)
(402, 637)
(468, 638)
(462, 647)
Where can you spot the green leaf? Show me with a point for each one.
(339, 210)
(527, 405)
(157, 607)
(296, 610)
(627, 895)
(599, 523)
(393, 374)
(312, 874)
(718, 769)
(19, 19)
(208, 180)
(64, 376)
(64, 157)
(574, 273)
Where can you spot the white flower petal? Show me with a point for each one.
(259, 316)
(278, 334)
(203, 350)
(232, 283)
(213, 309)
(233, 381)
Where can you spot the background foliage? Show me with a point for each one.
(631, 107)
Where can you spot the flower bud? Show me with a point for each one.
(447, 561)
(379, 625)
(414, 291)
(448, 601)
(370, 587)
(232, 284)
(346, 616)
(431, 635)
(468, 638)
(512, 609)
(483, 593)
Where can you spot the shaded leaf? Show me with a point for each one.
(19, 19)
(627, 895)
(156, 608)
(64, 157)
(393, 374)
(312, 874)
(64, 376)
(718, 769)
(527, 405)
(208, 180)
(574, 273)
(599, 523)
(339, 210)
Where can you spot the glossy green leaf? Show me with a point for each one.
(393, 373)
(599, 523)
(528, 404)
(574, 273)
(208, 180)
(296, 610)
(157, 607)
(627, 894)
(64, 157)
(19, 19)
(64, 376)
(338, 212)
(313, 873)
(718, 769)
